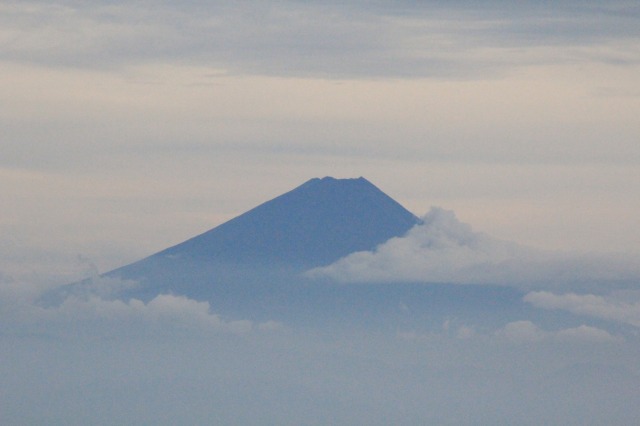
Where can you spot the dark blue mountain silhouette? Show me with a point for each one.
(266, 248)
(315, 224)
(252, 266)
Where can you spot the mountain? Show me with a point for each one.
(252, 267)
(315, 224)
(265, 250)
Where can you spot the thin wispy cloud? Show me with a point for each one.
(321, 39)
(622, 307)
(527, 332)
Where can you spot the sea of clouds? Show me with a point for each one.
(95, 359)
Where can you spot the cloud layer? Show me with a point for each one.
(619, 307)
(97, 360)
(527, 331)
(94, 310)
(186, 111)
(320, 38)
(444, 250)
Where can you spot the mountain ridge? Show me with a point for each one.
(314, 224)
(253, 266)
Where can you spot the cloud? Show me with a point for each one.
(526, 331)
(312, 377)
(165, 310)
(163, 314)
(93, 308)
(586, 333)
(317, 38)
(449, 330)
(93, 360)
(612, 307)
(271, 326)
(440, 249)
(444, 250)
(522, 331)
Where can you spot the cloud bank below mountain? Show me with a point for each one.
(95, 359)
(95, 310)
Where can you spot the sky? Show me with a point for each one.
(510, 127)
(131, 126)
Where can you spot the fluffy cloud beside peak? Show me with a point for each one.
(444, 250)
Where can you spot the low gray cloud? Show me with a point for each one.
(164, 310)
(316, 377)
(522, 331)
(94, 309)
(444, 250)
(619, 307)
(526, 332)
(98, 360)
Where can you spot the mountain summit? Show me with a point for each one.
(312, 225)
(253, 266)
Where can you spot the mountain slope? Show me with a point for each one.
(252, 266)
(315, 224)
(312, 225)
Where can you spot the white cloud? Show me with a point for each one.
(522, 331)
(605, 307)
(441, 249)
(271, 326)
(92, 307)
(586, 333)
(163, 313)
(445, 250)
(526, 331)
(459, 332)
